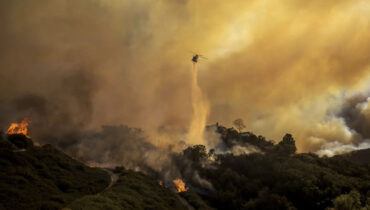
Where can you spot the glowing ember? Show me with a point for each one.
(19, 128)
(161, 183)
(180, 185)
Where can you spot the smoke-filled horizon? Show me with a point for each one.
(282, 66)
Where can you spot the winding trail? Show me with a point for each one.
(113, 178)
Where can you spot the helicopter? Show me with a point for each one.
(196, 57)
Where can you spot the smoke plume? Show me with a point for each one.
(284, 66)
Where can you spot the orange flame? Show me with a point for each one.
(162, 185)
(180, 185)
(19, 128)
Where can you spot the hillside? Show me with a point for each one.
(46, 178)
(274, 176)
(133, 190)
(358, 156)
(43, 177)
(265, 175)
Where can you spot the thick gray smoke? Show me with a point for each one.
(120, 145)
(59, 113)
(356, 114)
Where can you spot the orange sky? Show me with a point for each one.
(281, 65)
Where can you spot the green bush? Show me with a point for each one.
(349, 201)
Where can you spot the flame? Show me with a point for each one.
(180, 186)
(161, 183)
(19, 128)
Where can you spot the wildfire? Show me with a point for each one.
(180, 185)
(19, 128)
(162, 184)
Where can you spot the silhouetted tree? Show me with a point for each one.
(239, 124)
(196, 153)
(287, 145)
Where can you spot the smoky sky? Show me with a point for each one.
(282, 66)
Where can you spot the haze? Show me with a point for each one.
(299, 67)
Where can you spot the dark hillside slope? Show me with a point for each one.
(358, 156)
(133, 190)
(43, 177)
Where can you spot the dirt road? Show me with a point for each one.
(113, 178)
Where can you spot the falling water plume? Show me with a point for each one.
(200, 107)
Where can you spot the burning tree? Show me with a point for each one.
(19, 128)
(18, 134)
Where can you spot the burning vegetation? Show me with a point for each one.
(180, 186)
(19, 128)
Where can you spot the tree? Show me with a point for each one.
(268, 200)
(287, 145)
(348, 201)
(196, 153)
(239, 124)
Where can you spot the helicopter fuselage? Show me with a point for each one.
(195, 58)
